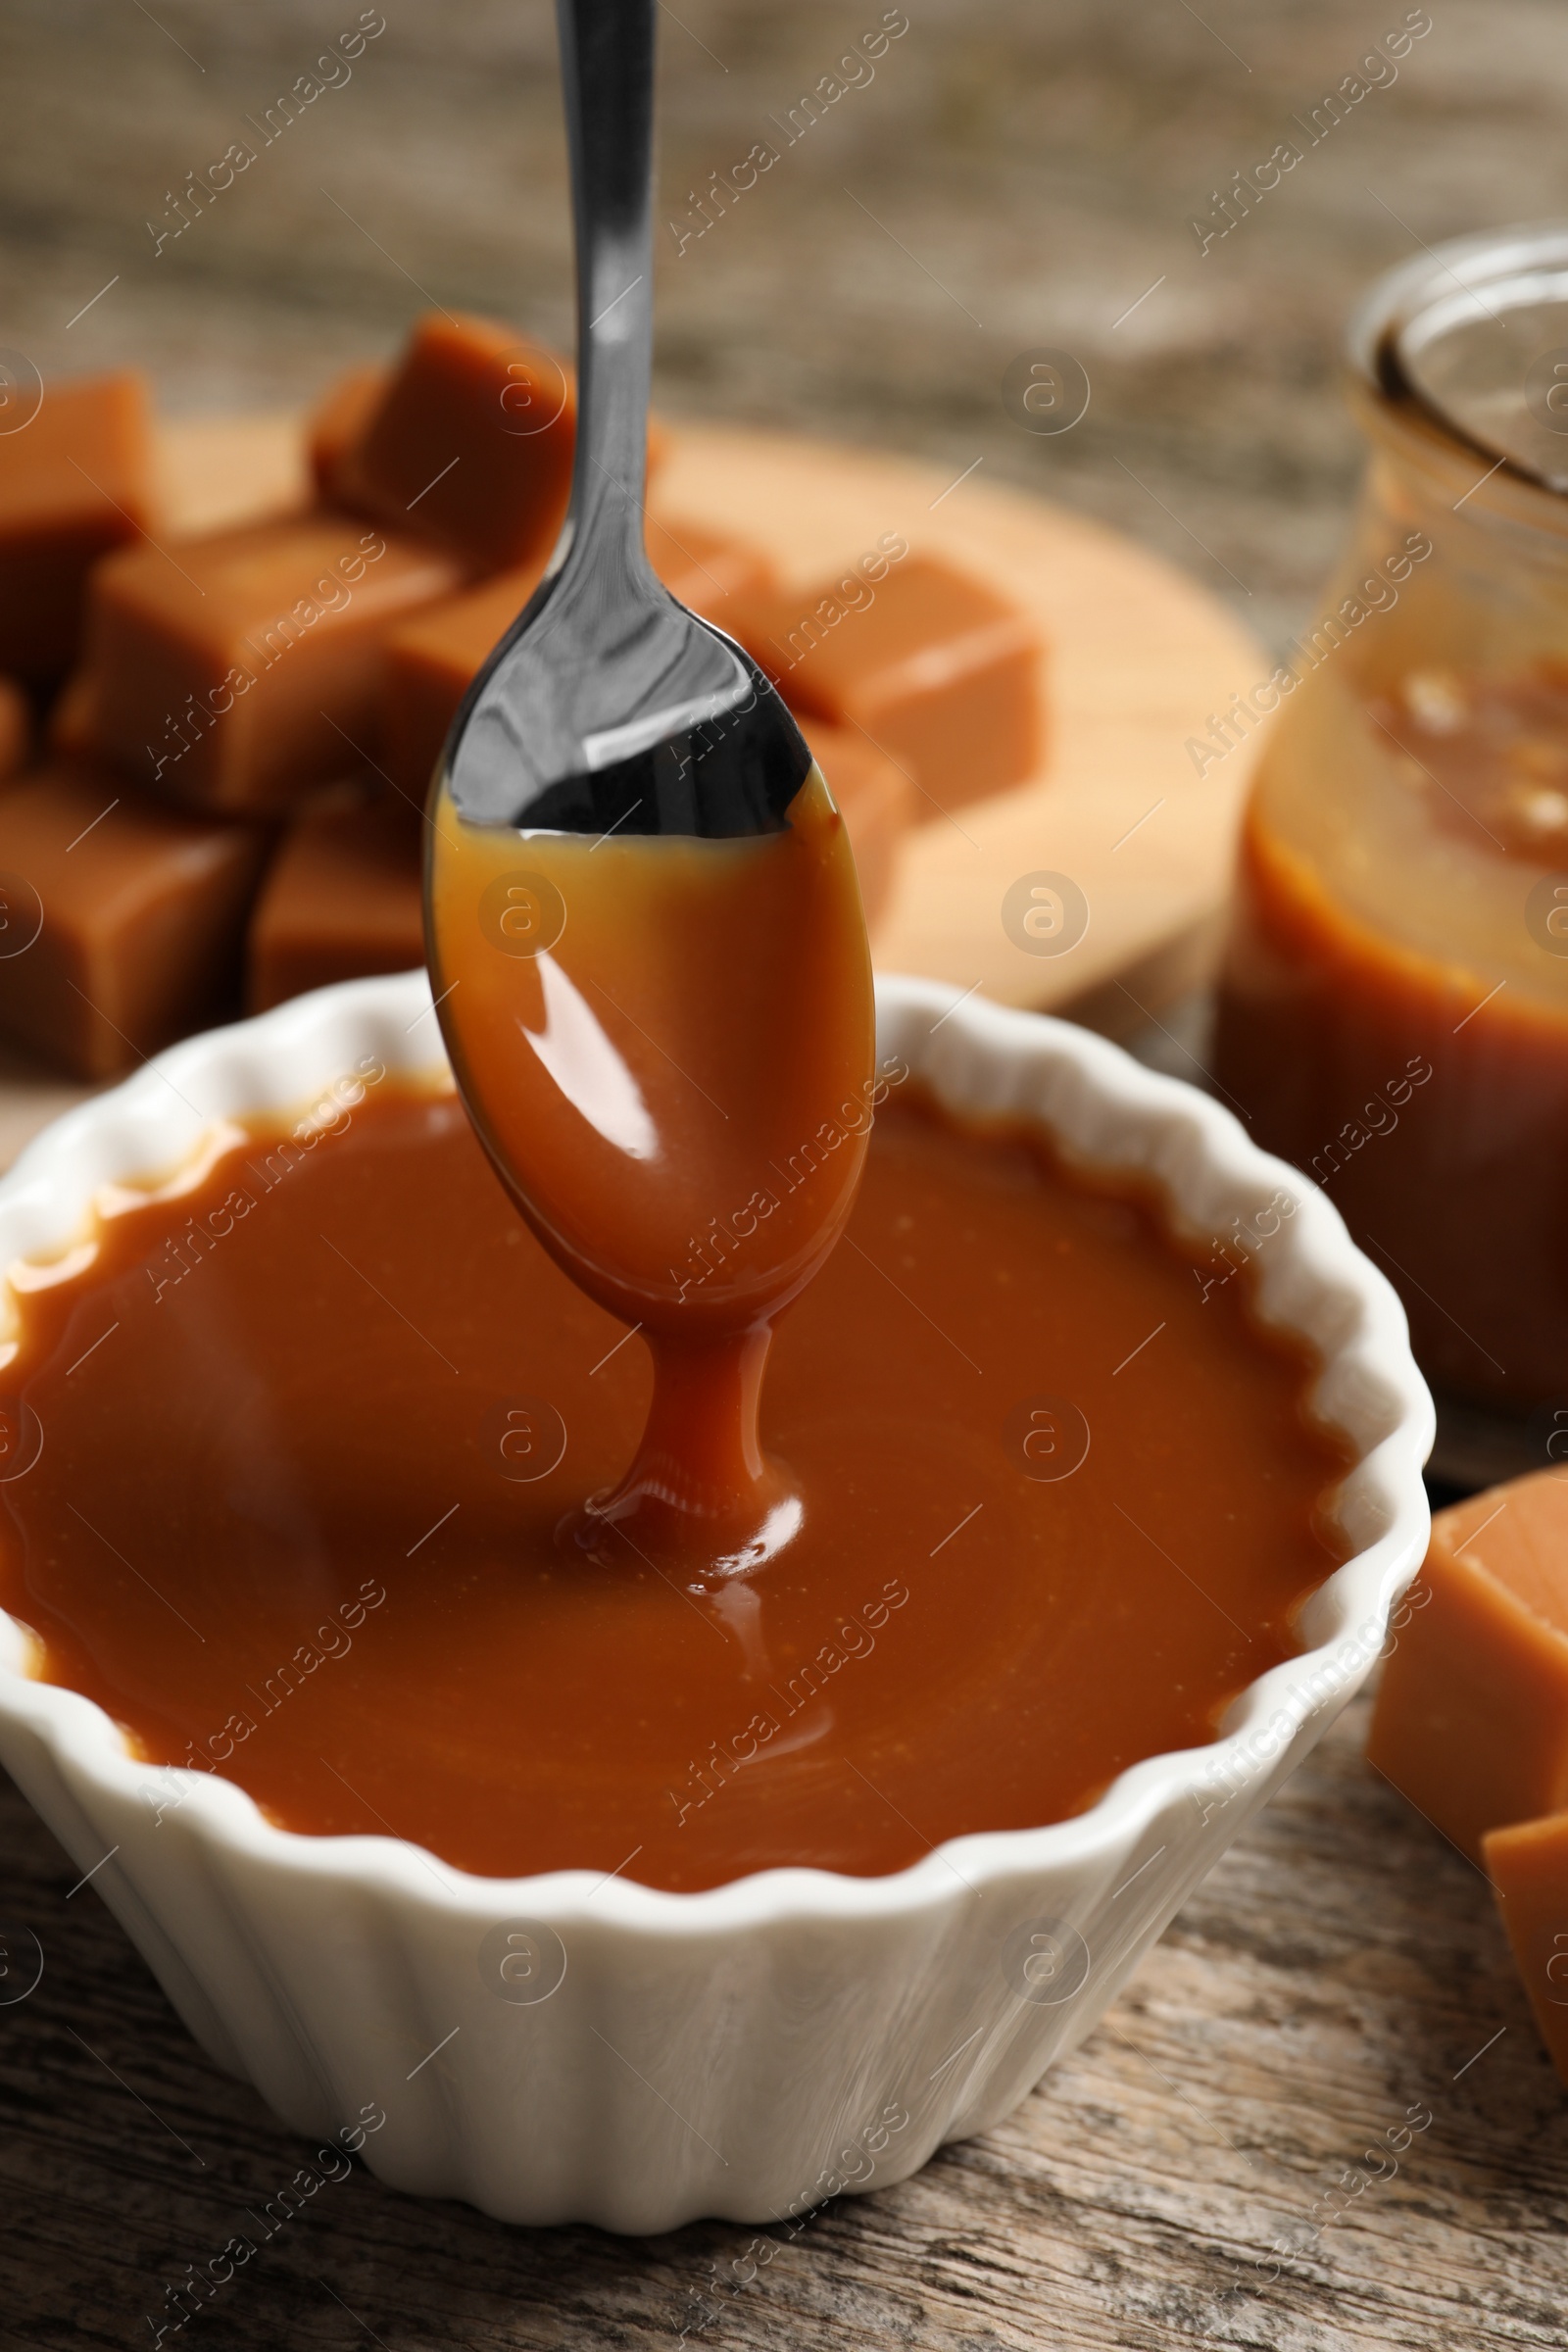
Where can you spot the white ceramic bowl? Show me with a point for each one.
(747, 2052)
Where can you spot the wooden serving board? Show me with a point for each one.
(1137, 657)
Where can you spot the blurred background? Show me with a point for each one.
(1012, 174)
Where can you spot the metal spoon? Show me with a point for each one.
(609, 707)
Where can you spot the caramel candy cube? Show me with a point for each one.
(877, 801)
(344, 898)
(121, 918)
(1471, 1716)
(238, 671)
(338, 421)
(1527, 1866)
(470, 445)
(940, 672)
(74, 481)
(16, 729)
(72, 732)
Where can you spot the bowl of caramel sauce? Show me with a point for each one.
(629, 1897)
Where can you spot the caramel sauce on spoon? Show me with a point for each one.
(665, 1046)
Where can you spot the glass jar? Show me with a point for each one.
(1393, 1006)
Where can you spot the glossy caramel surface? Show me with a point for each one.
(293, 1518)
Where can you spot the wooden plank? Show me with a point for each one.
(1341, 1969)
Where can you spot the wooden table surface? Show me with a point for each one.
(1341, 1980)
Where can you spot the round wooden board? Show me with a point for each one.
(1136, 658)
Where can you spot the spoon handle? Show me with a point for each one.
(607, 62)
